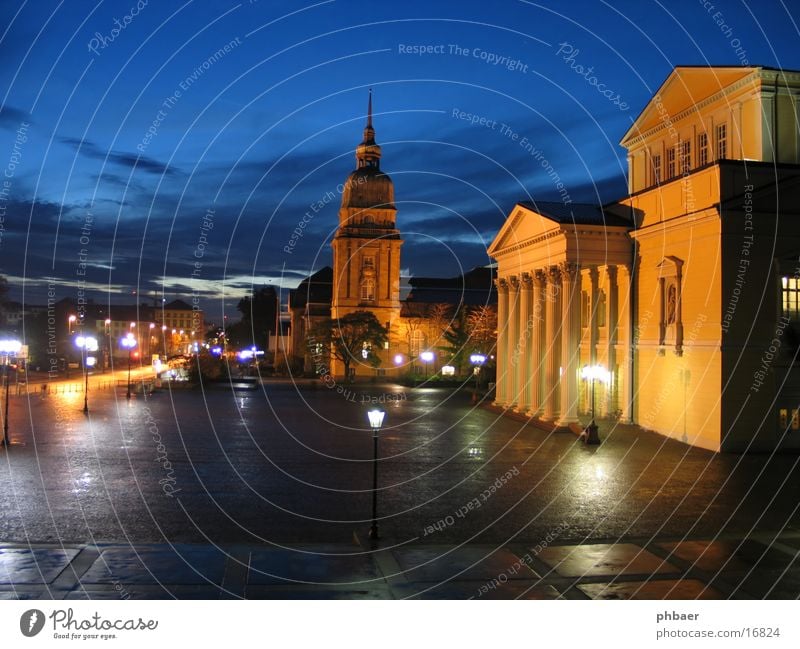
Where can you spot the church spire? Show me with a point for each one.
(368, 153)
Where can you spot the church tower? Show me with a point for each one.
(366, 247)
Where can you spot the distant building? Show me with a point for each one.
(686, 292)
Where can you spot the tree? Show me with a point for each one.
(355, 336)
(456, 339)
(259, 315)
(482, 329)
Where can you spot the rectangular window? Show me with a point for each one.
(783, 417)
(656, 169)
(685, 152)
(702, 149)
(722, 141)
(369, 262)
(670, 163)
(790, 289)
(795, 419)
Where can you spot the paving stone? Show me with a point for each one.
(769, 585)
(594, 560)
(148, 565)
(440, 563)
(33, 566)
(729, 556)
(652, 589)
(461, 590)
(280, 566)
(302, 593)
(145, 592)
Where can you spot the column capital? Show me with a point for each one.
(539, 277)
(527, 281)
(553, 274)
(568, 269)
(513, 283)
(501, 284)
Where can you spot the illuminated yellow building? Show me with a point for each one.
(686, 291)
(366, 247)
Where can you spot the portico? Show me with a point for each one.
(563, 286)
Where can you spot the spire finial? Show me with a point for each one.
(369, 110)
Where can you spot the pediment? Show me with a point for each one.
(523, 224)
(685, 87)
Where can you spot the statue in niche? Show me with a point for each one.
(672, 304)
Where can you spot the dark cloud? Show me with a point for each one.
(90, 150)
(11, 118)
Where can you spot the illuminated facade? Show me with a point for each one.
(366, 248)
(686, 291)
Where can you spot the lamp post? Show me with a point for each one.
(592, 373)
(477, 361)
(7, 348)
(375, 422)
(86, 344)
(107, 332)
(426, 357)
(129, 342)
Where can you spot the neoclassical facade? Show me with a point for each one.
(685, 294)
(560, 269)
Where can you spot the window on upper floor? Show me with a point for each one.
(722, 141)
(368, 290)
(790, 296)
(702, 149)
(685, 153)
(670, 163)
(656, 170)
(369, 262)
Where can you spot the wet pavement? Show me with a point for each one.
(245, 484)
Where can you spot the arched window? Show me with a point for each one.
(417, 343)
(368, 289)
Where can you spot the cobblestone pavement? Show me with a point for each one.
(229, 478)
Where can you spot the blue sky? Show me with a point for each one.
(266, 129)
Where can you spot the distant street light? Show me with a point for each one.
(592, 373)
(477, 361)
(129, 342)
(375, 422)
(426, 358)
(7, 348)
(86, 344)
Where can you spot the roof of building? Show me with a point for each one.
(474, 288)
(315, 289)
(177, 305)
(577, 213)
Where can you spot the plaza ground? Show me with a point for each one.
(216, 492)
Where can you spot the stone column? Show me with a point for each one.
(570, 343)
(512, 353)
(627, 344)
(500, 398)
(612, 302)
(550, 388)
(523, 349)
(594, 303)
(537, 346)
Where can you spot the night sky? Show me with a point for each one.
(175, 150)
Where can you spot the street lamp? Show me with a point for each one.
(129, 342)
(426, 358)
(477, 361)
(107, 353)
(592, 373)
(8, 348)
(375, 422)
(86, 344)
